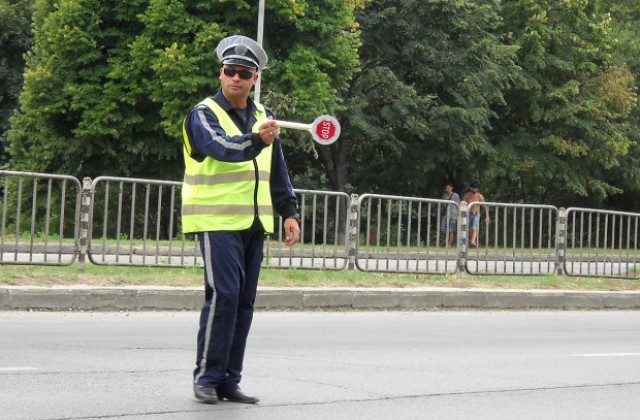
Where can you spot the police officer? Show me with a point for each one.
(235, 177)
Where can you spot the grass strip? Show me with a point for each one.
(120, 276)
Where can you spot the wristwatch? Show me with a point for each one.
(296, 216)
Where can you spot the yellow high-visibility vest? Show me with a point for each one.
(223, 196)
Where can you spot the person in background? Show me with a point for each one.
(474, 211)
(449, 214)
(235, 177)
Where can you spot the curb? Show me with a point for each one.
(392, 299)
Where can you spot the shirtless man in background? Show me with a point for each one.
(474, 212)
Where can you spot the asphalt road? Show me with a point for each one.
(328, 365)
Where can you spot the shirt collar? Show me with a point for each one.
(222, 101)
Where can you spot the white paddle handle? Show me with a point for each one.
(294, 125)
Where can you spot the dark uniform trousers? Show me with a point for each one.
(231, 269)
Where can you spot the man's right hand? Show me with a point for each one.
(269, 131)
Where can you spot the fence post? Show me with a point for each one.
(85, 214)
(561, 240)
(353, 231)
(463, 235)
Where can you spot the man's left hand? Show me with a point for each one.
(291, 231)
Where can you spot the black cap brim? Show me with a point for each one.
(240, 62)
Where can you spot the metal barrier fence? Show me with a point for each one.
(515, 239)
(601, 243)
(324, 216)
(54, 220)
(402, 234)
(40, 218)
(137, 222)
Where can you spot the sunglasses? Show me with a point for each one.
(244, 74)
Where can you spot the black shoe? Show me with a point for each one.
(473, 246)
(205, 394)
(235, 395)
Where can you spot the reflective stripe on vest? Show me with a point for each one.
(218, 195)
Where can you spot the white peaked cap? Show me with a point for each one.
(241, 51)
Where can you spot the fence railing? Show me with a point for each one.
(402, 234)
(137, 222)
(56, 220)
(40, 218)
(324, 216)
(518, 239)
(601, 243)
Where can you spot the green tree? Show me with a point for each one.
(565, 123)
(61, 126)
(419, 111)
(313, 56)
(108, 83)
(15, 41)
(626, 55)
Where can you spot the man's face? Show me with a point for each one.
(237, 81)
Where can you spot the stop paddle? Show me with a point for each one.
(324, 130)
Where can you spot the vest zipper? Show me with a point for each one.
(256, 174)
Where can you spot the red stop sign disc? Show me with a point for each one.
(325, 129)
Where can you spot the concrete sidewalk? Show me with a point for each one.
(84, 298)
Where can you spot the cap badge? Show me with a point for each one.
(240, 49)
